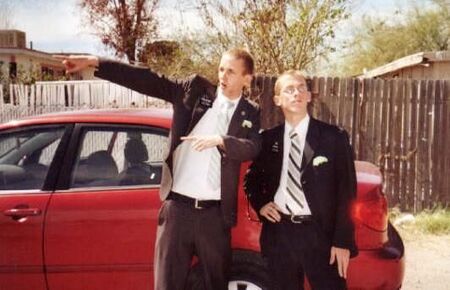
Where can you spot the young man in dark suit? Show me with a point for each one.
(214, 129)
(302, 186)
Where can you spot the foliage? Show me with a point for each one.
(180, 59)
(436, 222)
(379, 41)
(166, 57)
(123, 25)
(281, 34)
(25, 75)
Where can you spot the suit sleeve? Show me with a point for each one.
(139, 79)
(244, 149)
(344, 235)
(254, 183)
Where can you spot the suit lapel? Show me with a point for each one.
(204, 103)
(278, 162)
(311, 143)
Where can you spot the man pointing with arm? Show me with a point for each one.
(214, 129)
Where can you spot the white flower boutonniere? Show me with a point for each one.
(247, 124)
(319, 160)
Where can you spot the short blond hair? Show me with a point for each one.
(296, 74)
(245, 56)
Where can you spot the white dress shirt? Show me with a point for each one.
(282, 198)
(190, 167)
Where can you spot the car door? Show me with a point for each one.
(101, 222)
(28, 162)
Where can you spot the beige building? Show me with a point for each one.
(19, 61)
(421, 66)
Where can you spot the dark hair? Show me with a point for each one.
(246, 57)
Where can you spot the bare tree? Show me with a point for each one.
(123, 25)
(6, 14)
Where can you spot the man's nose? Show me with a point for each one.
(297, 94)
(223, 75)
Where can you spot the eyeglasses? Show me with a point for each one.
(291, 90)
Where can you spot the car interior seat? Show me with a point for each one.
(99, 169)
(138, 171)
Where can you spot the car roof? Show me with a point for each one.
(151, 116)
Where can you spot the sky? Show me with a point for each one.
(57, 25)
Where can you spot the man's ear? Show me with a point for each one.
(276, 100)
(248, 80)
(309, 97)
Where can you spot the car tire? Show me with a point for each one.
(248, 272)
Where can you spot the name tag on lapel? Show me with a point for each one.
(275, 147)
(205, 101)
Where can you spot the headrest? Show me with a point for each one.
(135, 151)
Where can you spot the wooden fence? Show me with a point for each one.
(403, 126)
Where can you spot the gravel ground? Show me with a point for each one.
(427, 261)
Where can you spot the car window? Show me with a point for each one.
(25, 157)
(119, 157)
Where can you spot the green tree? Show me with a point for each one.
(182, 58)
(379, 41)
(281, 34)
(166, 57)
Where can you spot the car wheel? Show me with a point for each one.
(248, 272)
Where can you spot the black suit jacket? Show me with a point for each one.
(190, 99)
(329, 187)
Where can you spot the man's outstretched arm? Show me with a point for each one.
(139, 79)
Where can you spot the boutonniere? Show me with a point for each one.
(275, 147)
(319, 160)
(205, 101)
(247, 124)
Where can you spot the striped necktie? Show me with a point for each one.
(293, 186)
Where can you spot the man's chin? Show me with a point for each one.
(297, 111)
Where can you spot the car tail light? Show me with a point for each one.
(371, 220)
(371, 210)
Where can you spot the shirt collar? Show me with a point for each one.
(221, 98)
(301, 127)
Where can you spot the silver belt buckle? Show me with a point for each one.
(294, 221)
(196, 205)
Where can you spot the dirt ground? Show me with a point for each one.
(427, 261)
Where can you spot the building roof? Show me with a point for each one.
(408, 61)
(26, 51)
(11, 30)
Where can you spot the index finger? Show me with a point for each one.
(187, 137)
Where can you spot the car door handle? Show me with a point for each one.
(22, 212)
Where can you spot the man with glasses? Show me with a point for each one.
(302, 186)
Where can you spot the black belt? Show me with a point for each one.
(296, 219)
(192, 202)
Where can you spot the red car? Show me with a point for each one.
(79, 204)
